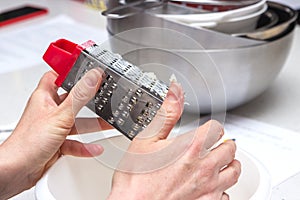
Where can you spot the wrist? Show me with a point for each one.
(128, 186)
(14, 174)
(125, 193)
(124, 190)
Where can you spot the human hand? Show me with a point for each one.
(186, 167)
(40, 136)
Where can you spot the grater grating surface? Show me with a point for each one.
(128, 98)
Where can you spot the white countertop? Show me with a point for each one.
(277, 106)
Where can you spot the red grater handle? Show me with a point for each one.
(61, 55)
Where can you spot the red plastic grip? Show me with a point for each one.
(61, 56)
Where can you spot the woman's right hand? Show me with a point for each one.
(189, 166)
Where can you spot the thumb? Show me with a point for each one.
(84, 90)
(167, 116)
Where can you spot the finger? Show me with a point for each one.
(223, 154)
(62, 97)
(229, 175)
(52, 161)
(82, 92)
(47, 82)
(89, 125)
(214, 132)
(75, 148)
(225, 196)
(167, 116)
(205, 137)
(47, 85)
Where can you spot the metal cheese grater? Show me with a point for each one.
(128, 98)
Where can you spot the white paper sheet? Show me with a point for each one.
(5, 131)
(24, 47)
(21, 50)
(276, 148)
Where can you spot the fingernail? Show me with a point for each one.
(174, 92)
(233, 139)
(92, 77)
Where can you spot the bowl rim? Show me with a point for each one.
(43, 191)
(275, 30)
(285, 36)
(216, 16)
(237, 19)
(264, 188)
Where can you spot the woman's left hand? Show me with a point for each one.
(40, 136)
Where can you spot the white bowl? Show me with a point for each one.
(87, 178)
(216, 16)
(246, 23)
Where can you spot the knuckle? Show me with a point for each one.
(187, 167)
(170, 111)
(200, 135)
(80, 93)
(212, 162)
(237, 169)
(162, 113)
(63, 120)
(214, 123)
(206, 185)
(207, 167)
(215, 126)
(235, 172)
(35, 95)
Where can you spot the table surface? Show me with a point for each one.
(278, 105)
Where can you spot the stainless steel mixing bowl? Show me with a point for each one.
(214, 79)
